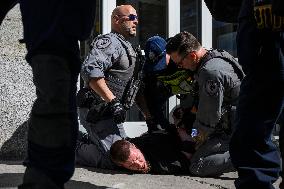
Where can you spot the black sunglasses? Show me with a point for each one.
(131, 17)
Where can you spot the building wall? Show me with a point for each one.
(17, 91)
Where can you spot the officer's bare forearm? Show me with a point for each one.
(100, 87)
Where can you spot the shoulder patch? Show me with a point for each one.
(211, 87)
(102, 43)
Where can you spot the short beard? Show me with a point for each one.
(128, 31)
(132, 34)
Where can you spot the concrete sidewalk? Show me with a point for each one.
(11, 174)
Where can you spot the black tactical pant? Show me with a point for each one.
(53, 123)
(261, 101)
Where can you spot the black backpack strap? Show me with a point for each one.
(139, 59)
(127, 51)
(227, 57)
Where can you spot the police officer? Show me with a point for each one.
(162, 79)
(218, 76)
(260, 42)
(153, 94)
(51, 31)
(107, 71)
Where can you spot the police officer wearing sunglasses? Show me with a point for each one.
(106, 72)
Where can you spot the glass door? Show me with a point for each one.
(97, 29)
(190, 17)
(224, 36)
(152, 21)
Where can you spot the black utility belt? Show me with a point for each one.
(265, 19)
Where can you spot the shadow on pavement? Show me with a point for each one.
(9, 180)
(125, 171)
(82, 185)
(17, 162)
(224, 178)
(15, 147)
(107, 171)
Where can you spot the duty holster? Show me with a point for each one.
(98, 109)
(98, 112)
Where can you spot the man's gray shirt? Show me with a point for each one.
(216, 79)
(108, 51)
(218, 89)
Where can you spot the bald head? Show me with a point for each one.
(124, 20)
(122, 10)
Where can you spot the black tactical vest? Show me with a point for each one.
(229, 96)
(217, 53)
(117, 78)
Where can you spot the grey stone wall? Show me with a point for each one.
(17, 91)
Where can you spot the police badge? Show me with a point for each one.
(102, 43)
(211, 87)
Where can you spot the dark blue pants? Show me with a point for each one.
(52, 29)
(53, 123)
(261, 100)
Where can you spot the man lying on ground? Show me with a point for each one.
(158, 152)
(163, 152)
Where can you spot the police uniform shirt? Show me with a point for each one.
(215, 78)
(107, 52)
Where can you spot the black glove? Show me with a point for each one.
(117, 110)
(85, 97)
